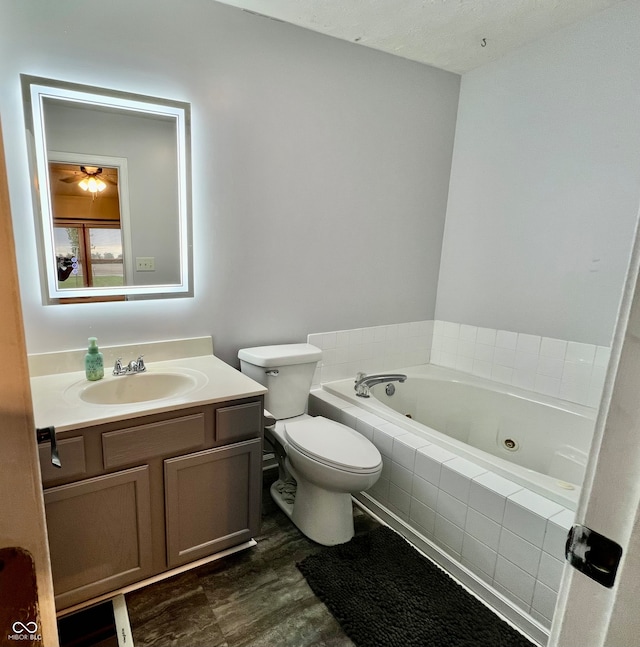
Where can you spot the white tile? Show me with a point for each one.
(514, 580)
(550, 571)
(401, 477)
(399, 498)
(523, 379)
(355, 337)
(452, 509)
(519, 552)
(468, 333)
(438, 326)
(547, 385)
(348, 416)
(504, 356)
(464, 364)
(556, 348)
(423, 515)
(380, 490)
(576, 372)
(383, 438)
(449, 345)
(466, 348)
(502, 374)
(556, 533)
(602, 357)
(367, 335)
(497, 484)
(536, 503)
(387, 463)
(379, 333)
(329, 340)
(550, 366)
(488, 500)
(342, 338)
(456, 476)
(483, 352)
(577, 352)
(448, 533)
(544, 601)
(429, 461)
(574, 392)
(315, 339)
(528, 343)
(404, 449)
(526, 515)
(479, 555)
(482, 369)
(525, 361)
(450, 329)
(486, 336)
(483, 529)
(364, 428)
(506, 339)
(425, 492)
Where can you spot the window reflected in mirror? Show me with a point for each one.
(86, 226)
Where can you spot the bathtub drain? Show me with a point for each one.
(510, 444)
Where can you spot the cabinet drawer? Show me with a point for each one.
(71, 452)
(127, 446)
(238, 422)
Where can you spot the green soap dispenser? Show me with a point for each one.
(93, 361)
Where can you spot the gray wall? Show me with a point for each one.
(320, 169)
(545, 184)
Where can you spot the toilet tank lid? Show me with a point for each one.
(280, 355)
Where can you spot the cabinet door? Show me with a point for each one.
(99, 534)
(212, 500)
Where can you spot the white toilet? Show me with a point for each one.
(321, 461)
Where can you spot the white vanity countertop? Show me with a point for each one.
(55, 399)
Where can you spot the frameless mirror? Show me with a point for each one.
(112, 192)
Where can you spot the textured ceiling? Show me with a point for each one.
(454, 35)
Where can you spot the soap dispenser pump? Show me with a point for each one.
(93, 361)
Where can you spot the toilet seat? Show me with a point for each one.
(333, 444)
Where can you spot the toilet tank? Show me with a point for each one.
(287, 372)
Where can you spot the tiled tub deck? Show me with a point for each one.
(508, 538)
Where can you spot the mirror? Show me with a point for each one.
(112, 192)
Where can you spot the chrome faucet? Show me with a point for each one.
(364, 382)
(134, 366)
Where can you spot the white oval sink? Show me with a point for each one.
(127, 389)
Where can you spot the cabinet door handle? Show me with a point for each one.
(48, 434)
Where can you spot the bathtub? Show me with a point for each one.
(534, 440)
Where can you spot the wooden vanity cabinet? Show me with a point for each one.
(140, 497)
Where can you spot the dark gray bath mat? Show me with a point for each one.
(386, 594)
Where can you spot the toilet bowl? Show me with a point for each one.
(321, 462)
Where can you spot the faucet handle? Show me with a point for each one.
(117, 367)
(360, 375)
(140, 364)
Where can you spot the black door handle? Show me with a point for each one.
(48, 434)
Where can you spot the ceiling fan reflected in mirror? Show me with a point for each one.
(92, 179)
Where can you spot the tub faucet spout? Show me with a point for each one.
(364, 382)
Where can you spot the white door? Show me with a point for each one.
(589, 614)
(22, 520)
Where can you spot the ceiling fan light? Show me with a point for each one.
(84, 184)
(101, 186)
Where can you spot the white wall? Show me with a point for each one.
(320, 169)
(545, 184)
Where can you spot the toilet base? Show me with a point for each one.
(323, 516)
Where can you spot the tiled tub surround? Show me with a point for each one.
(564, 369)
(494, 534)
